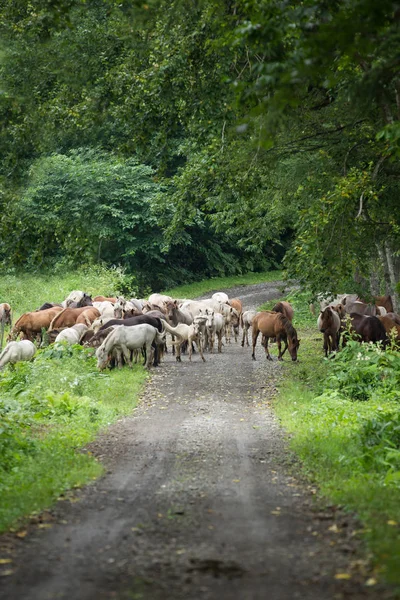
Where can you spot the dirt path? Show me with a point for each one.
(199, 502)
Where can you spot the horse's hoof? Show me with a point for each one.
(253, 357)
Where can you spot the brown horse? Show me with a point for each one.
(389, 325)
(67, 317)
(329, 324)
(285, 309)
(31, 324)
(272, 324)
(104, 299)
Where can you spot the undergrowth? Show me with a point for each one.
(49, 409)
(343, 414)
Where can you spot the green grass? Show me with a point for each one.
(350, 448)
(49, 409)
(199, 288)
(27, 291)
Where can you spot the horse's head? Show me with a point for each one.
(118, 311)
(209, 317)
(234, 317)
(85, 301)
(326, 319)
(293, 346)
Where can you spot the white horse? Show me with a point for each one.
(105, 308)
(187, 333)
(73, 334)
(246, 322)
(17, 351)
(220, 297)
(215, 325)
(125, 339)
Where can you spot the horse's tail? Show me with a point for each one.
(3, 355)
(52, 323)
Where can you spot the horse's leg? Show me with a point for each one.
(127, 355)
(285, 342)
(268, 355)
(243, 337)
(326, 345)
(178, 351)
(219, 334)
(198, 342)
(173, 345)
(255, 336)
(148, 355)
(278, 341)
(156, 360)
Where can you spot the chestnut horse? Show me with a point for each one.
(285, 309)
(275, 325)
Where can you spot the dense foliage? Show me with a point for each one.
(258, 130)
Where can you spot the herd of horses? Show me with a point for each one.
(367, 322)
(120, 330)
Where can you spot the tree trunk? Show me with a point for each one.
(386, 276)
(393, 268)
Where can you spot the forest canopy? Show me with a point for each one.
(189, 139)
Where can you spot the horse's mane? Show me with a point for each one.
(279, 308)
(290, 330)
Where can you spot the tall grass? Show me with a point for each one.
(27, 291)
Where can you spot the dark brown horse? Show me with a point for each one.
(272, 324)
(368, 329)
(329, 324)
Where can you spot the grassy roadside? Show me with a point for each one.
(199, 288)
(52, 407)
(49, 409)
(343, 415)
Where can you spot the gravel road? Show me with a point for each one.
(201, 500)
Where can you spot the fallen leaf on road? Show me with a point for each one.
(334, 528)
(342, 576)
(5, 573)
(21, 534)
(371, 581)
(392, 523)
(5, 561)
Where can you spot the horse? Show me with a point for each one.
(361, 308)
(221, 297)
(215, 325)
(186, 334)
(72, 335)
(68, 317)
(47, 305)
(246, 319)
(104, 299)
(285, 309)
(31, 324)
(385, 301)
(394, 316)
(390, 325)
(139, 320)
(368, 329)
(329, 324)
(77, 299)
(126, 339)
(272, 324)
(5, 314)
(238, 306)
(17, 351)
